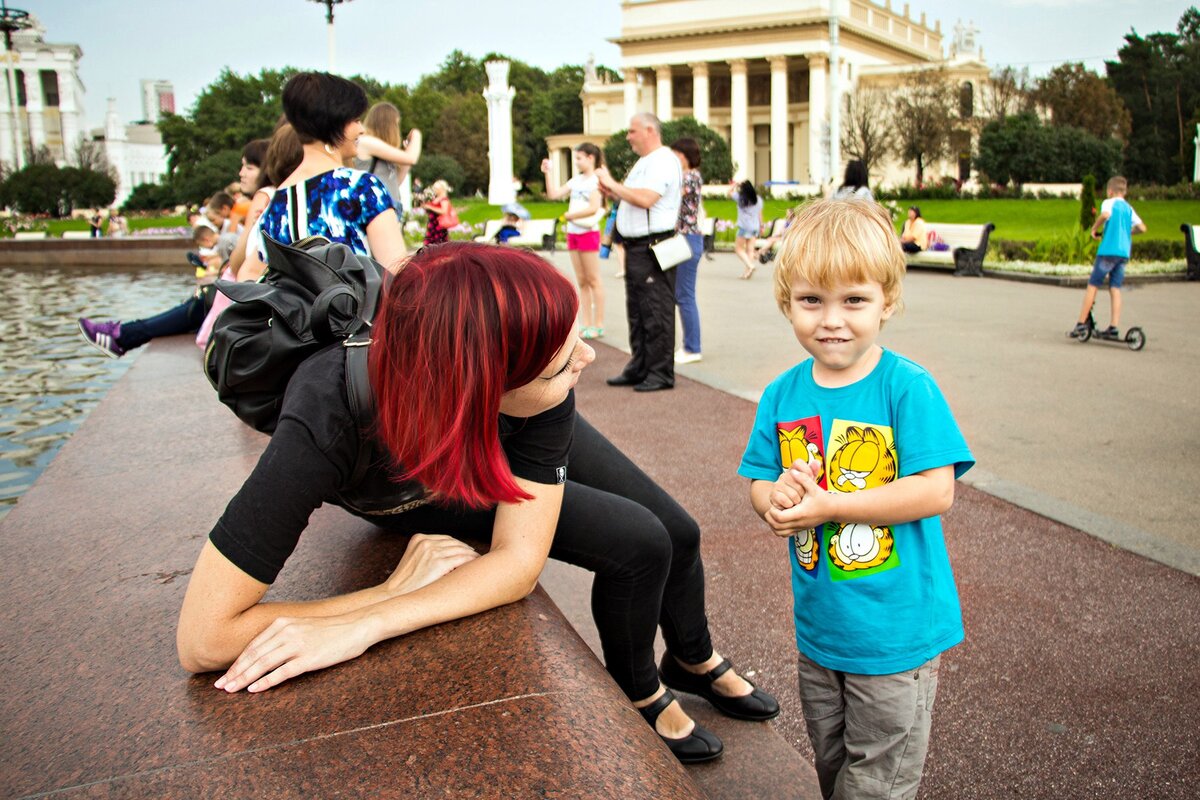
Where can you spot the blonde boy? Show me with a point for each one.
(1119, 222)
(853, 456)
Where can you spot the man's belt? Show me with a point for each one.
(648, 239)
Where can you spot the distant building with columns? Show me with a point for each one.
(135, 151)
(758, 72)
(48, 105)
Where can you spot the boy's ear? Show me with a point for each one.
(888, 311)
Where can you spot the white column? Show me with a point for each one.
(69, 113)
(663, 95)
(631, 93)
(739, 113)
(816, 118)
(835, 95)
(34, 108)
(700, 92)
(779, 118)
(1196, 163)
(499, 97)
(6, 140)
(17, 150)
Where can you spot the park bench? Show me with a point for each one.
(1191, 250)
(536, 233)
(775, 227)
(77, 234)
(708, 229)
(508, 703)
(966, 247)
(29, 236)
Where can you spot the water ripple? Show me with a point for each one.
(51, 377)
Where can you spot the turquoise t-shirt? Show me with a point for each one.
(869, 599)
(1118, 230)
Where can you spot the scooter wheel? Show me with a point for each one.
(1135, 338)
(1083, 335)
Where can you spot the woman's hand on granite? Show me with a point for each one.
(427, 558)
(293, 646)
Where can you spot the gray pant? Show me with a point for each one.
(870, 733)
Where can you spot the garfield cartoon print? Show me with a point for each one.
(863, 457)
(800, 441)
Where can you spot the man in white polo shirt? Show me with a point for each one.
(648, 212)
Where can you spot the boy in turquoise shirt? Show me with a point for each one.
(853, 456)
(1119, 222)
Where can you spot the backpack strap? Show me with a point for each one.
(362, 401)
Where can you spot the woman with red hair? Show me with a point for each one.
(473, 362)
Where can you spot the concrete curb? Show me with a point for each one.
(1118, 534)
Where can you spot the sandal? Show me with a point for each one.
(757, 706)
(698, 746)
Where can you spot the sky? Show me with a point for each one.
(398, 41)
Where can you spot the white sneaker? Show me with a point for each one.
(684, 357)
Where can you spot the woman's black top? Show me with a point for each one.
(311, 458)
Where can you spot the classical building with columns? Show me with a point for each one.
(758, 72)
(48, 98)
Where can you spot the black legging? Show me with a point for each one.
(642, 546)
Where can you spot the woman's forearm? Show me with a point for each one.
(490, 581)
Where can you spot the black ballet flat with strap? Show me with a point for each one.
(756, 706)
(698, 746)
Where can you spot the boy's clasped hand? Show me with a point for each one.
(797, 502)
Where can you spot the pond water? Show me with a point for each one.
(51, 377)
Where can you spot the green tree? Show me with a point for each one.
(1158, 80)
(436, 167)
(716, 163)
(463, 135)
(923, 112)
(1022, 150)
(84, 188)
(1079, 98)
(35, 190)
(150, 197)
(206, 177)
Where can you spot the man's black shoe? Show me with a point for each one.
(622, 380)
(653, 386)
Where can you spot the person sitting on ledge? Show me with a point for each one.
(474, 432)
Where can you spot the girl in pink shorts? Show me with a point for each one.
(585, 214)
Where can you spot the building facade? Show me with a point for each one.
(135, 151)
(46, 109)
(759, 73)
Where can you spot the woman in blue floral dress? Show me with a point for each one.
(331, 200)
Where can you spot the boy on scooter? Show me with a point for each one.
(1119, 222)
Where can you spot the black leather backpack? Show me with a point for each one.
(314, 293)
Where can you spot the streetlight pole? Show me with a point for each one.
(329, 4)
(11, 20)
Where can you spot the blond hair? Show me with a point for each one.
(1118, 185)
(839, 242)
(383, 122)
(440, 186)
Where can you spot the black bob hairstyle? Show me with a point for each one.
(320, 105)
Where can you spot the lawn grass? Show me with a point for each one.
(1026, 220)
(1032, 220)
(54, 227)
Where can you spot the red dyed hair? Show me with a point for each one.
(461, 325)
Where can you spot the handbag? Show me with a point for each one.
(448, 220)
(672, 252)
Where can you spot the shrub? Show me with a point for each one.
(716, 163)
(434, 166)
(1087, 202)
(150, 197)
